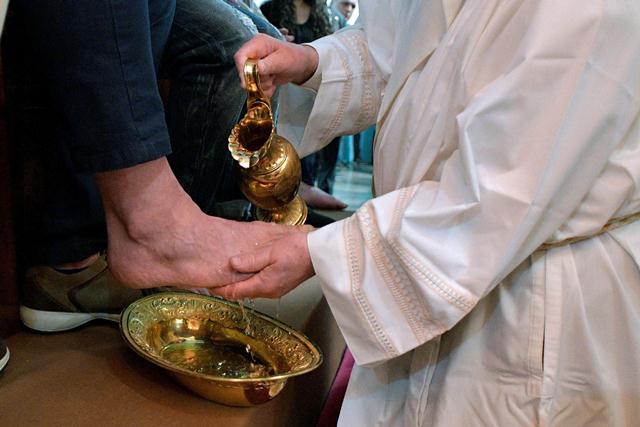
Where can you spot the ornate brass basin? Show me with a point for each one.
(230, 355)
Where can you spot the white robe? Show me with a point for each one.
(501, 125)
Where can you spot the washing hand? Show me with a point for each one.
(277, 267)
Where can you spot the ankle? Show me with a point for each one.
(143, 201)
(156, 222)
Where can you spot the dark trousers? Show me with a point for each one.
(89, 102)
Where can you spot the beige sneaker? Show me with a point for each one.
(54, 301)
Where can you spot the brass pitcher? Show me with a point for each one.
(269, 165)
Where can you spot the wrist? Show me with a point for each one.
(303, 245)
(310, 62)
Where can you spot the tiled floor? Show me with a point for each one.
(353, 184)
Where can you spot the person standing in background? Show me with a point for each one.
(305, 20)
(345, 7)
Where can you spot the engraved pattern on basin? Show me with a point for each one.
(281, 341)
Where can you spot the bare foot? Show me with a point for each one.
(159, 237)
(320, 199)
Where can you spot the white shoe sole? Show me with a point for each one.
(4, 360)
(57, 321)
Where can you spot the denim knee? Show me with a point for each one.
(210, 30)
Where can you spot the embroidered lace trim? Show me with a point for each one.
(416, 268)
(354, 252)
(396, 279)
(344, 98)
(356, 43)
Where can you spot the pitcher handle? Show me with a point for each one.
(252, 82)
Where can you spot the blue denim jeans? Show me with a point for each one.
(206, 98)
(98, 62)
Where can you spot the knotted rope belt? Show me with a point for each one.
(612, 224)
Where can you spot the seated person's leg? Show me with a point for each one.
(261, 23)
(206, 100)
(101, 72)
(88, 122)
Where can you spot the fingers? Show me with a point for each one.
(251, 262)
(279, 267)
(258, 47)
(285, 32)
(250, 288)
(279, 62)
